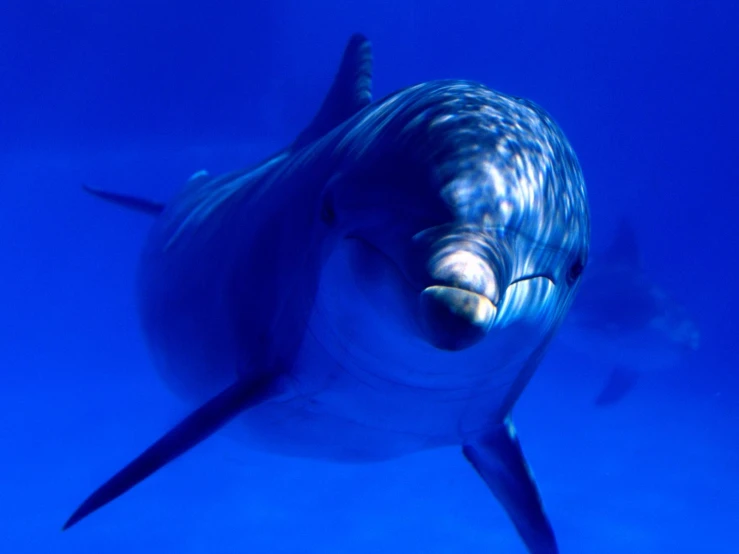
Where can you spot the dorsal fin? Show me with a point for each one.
(624, 248)
(350, 92)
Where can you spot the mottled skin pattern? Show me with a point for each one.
(442, 165)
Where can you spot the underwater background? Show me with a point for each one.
(136, 96)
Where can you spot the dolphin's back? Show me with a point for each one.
(223, 260)
(210, 280)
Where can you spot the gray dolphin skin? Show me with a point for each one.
(386, 284)
(623, 318)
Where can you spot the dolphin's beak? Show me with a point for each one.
(454, 318)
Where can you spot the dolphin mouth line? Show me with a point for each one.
(549, 277)
(417, 288)
(450, 317)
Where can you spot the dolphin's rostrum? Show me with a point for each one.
(387, 283)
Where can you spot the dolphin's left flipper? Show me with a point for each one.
(195, 428)
(499, 460)
(135, 203)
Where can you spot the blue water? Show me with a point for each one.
(136, 96)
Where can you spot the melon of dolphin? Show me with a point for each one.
(387, 283)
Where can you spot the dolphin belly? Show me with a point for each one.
(336, 411)
(366, 386)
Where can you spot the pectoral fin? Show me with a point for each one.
(498, 458)
(196, 427)
(135, 203)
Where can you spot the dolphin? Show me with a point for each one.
(625, 319)
(387, 283)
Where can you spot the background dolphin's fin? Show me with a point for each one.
(499, 460)
(199, 177)
(132, 202)
(350, 92)
(195, 428)
(624, 249)
(620, 382)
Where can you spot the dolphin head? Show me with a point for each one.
(477, 203)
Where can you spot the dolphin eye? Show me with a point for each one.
(576, 269)
(328, 212)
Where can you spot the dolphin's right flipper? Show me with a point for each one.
(620, 382)
(499, 460)
(136, 203)
(195, 428)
